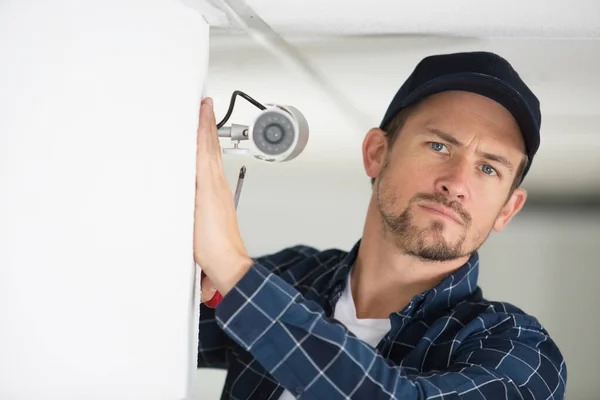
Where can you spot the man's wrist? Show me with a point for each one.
(228, 272)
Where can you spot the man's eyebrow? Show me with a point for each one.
(445, 136)
(454, 141)
(500, 159)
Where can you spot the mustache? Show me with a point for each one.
(443, 200)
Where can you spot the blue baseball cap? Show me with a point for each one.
(484, 73)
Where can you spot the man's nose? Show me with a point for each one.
(454, 182)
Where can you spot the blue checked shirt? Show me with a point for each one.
(275, 330)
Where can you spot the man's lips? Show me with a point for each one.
(444, 211)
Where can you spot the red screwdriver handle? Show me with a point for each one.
(215, 300)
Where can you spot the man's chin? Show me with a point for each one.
(434, 255)
(439, 246)
(433, 246)
(439, 236)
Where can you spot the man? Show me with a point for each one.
(400, 315)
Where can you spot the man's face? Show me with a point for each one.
(444, 183)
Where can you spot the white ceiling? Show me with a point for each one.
(506, 18)
(355, 49)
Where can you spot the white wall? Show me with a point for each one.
(98, 113)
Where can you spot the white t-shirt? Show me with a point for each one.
(368, 330)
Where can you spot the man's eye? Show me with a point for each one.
(488, 170)
(438, 147)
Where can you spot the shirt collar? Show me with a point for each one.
(453, 289)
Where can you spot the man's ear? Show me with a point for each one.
(374, 150)
(514, 204)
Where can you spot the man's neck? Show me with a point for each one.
(385, 280)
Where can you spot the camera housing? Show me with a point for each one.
(278, 133)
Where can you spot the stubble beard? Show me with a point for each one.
(427, 244)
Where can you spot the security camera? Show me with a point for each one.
(278, 133)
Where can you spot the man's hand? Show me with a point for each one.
(218, 245)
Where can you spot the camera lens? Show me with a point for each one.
(273, 133)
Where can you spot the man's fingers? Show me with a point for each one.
(208, 138)
(204, 123)
(211, 114)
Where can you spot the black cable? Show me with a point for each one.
(232, 102)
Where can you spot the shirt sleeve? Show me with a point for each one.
(317, 357)
(213, 343)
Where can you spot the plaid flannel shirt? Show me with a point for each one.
(275, 330)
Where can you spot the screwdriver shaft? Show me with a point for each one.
(238, 188)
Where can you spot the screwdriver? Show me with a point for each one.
(216, 299)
